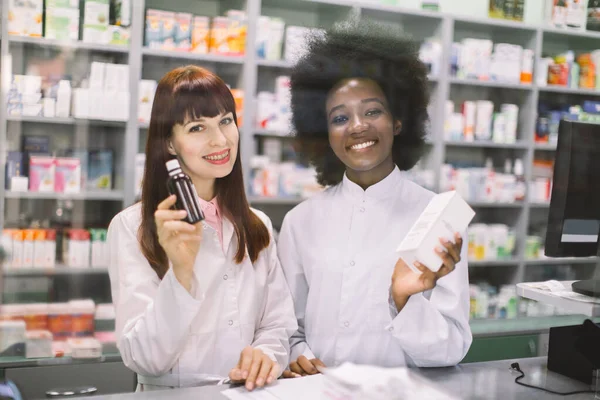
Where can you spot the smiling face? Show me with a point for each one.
(361, 129)
(206, 147)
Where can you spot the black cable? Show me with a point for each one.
(516, 367)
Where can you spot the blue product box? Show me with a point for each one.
(14, 167)
(33, 145)
(100, 170)
(592, 107)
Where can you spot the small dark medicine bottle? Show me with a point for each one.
(181, 185)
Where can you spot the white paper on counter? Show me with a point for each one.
(348, 382)
(308, 387)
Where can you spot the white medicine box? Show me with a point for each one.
(446, 214)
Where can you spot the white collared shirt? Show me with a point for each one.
(163, 329)
(337, 251)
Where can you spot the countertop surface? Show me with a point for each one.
(481, 381)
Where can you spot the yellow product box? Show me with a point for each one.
(25, 17)
(200, 34)
(219, 32)
(237, 32)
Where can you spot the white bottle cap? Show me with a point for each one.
(172, 165)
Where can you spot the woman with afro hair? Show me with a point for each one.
(359, 102)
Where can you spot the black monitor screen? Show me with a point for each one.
(574, 218)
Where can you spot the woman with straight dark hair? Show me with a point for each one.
(197, 304)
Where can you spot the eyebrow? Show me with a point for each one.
(369, 100)
(201, 119)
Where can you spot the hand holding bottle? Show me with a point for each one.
(180, 240)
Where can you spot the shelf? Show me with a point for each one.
(115, 195)
(566, 90)
(545, 146)
(546, 297)
(493, 263)
(274, 63)
(75, 45)
(494, 22)
(551, 31)
(266, 134)
(56, 271)
(544, 204)
(563, 261)
(67, 121)
(489, 84)
(488, 144)
(292, 201)
(22, 362)
(182, 55)
(401, 11)
(521, 326)
(479, 204)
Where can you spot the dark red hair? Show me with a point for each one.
(193, 92)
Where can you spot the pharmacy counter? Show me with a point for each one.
(489, 380)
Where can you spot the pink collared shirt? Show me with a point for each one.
(212, 216)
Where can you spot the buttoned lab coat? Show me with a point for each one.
(338, 252)
(173, 338)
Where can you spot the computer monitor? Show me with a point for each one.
(574, 217)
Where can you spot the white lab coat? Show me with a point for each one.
(172, 338)
(337, 251)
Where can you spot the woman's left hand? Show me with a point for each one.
(255, 369)
(405, 282)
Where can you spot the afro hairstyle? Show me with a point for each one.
(358, 49)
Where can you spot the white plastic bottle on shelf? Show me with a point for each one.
(520, 186)
(63, 99)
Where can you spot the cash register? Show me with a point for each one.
(573, 231)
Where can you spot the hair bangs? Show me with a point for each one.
(200, 95)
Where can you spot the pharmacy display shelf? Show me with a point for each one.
(22, 362)
(402, 11)
(182, 55)
(68, 44)
(570, 305)
(67, 121)
(284, 201)
(566, 90)
(550, 32)
(284, 64)
(520, 145)
(55, 271)
(267, 134)
(512, 262)
(545, 147)
(463, 21)
(539, 204)
(490, 84)
(483, 204)
(563, 261)
(522, 325)
(108, 195)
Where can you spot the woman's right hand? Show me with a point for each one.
(180, 240)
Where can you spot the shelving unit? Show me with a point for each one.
(489, 84)
(67, 44)
(56, 271)
(67, 121)
(245, 72)
(206, 58)
(109, 195)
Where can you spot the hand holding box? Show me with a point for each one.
(446, 214)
